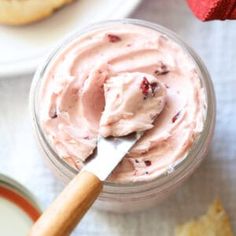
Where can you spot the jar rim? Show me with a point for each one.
(190, 160)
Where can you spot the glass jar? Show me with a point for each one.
(118, 197)
(19, 208)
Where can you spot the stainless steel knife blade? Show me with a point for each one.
(109, 153)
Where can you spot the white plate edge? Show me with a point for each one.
(30, 67)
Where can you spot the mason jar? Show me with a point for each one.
(133, 196)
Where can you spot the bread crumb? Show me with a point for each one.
(214, 223)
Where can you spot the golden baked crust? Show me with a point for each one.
(19, 12)
(214, 223)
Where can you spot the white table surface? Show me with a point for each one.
(215, 42)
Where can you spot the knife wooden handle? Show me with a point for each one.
(66, 211)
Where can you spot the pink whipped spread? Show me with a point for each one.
(116, 80)
(132, 102)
